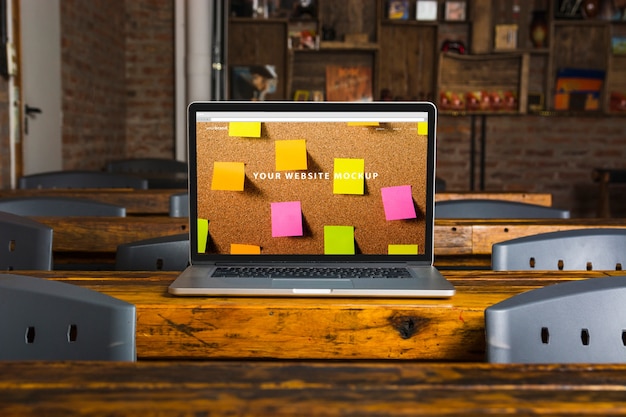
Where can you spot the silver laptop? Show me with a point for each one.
(312, 199)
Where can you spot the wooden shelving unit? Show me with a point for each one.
(407, 62)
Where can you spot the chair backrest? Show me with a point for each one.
(179, 205)
(59, 206)
(25, 244)
(440, 185)
(578, 321)
(167, 253)
(567, 250)
(82, 179)
(147, 165)
(52, 320)
(495, 209)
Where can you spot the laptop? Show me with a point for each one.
(311, 199)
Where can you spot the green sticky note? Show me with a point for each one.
(203, 234)
(348, 177)
(402, 249)
(291, 155)
(339, 240)
(422, 128)
(245, 129)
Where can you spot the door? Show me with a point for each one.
(40, 67)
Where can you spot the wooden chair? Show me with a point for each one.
(59, 206)
(606, 177)
(495, 209)
(167, 253)
(81, 179)
(577, 321)
(567, 250)
(51, 320)
(25, 244)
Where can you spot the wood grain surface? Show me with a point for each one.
(328, 388)
(451, 329)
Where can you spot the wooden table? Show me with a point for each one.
(151, 201)
(328, 388)
(542, 199)
(170, 327)
(156, 201)
(476, 236)
(457, 241)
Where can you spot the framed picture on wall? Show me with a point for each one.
(455, 11)
(426, 10)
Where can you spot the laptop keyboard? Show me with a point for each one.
(309, 272)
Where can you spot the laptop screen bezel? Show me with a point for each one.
(377, 109)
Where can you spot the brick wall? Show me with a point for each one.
(150, 75)
(117, 80)
(537, 154)
(93, 82)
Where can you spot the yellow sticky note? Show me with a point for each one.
(348, 177)
(203, 234)
(402, 249)
(339, 240)
(242, 249)
(291, 155)
(363, 124)
(245, 129)
(228, 176)
(422, 128)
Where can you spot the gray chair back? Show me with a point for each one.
(51, 320)
(81, 179)
(59, 206)
(495, 209)
(568, 250)
(167, 253)
(25, 244)
(147, 165)
(571, 322)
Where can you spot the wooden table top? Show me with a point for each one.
(156, 201)
(293, 388)
(452, 329)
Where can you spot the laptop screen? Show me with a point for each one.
(311, 180)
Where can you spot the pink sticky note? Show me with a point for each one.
(286, 219)
(398, 202)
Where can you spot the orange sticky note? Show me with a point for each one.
(349, 176)
(402, 249)
(291, 155)
(242, 249)
(228, 176)
(422, 128)
(245, 129)
(203, 234)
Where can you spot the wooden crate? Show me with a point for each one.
(496, 83)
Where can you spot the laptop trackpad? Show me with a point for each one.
(311, 283)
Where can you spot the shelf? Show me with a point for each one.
(411, 22)
(406, 62)
(338, 45)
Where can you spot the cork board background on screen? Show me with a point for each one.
(399, 156)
